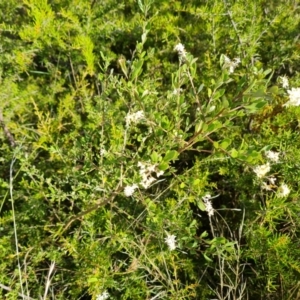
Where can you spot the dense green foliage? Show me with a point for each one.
(95, 101)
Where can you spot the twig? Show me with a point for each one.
(99, 203)
(6, 288)
(14, 219)
(73, 72)
(192, 140)
(7, 132)
(234, 25)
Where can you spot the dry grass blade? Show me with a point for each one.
(48, 280)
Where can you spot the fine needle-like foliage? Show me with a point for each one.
(149, 150)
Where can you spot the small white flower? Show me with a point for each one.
(139, 115)
(294, 97)
(146, 172)
(103, 152)
(283, 190)
(177, 91)
(262, 170)
(151, 168)
(147, 181)
(141, 165)
(231, 64)
(273, 156)
(134, 117)
(130, 189)
(212, 108)
(272, 180)
(266, 187)
(160, 173)
(284, 81)
(208, 206)
(171, 241)
(207, 197)
(103, 296)
(271, 185)
(179, 48)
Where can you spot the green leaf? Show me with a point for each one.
(200, 88)
(257, 94)
(207, 258)
(209, 92)
(204, 234)
(273, 90)
(225, 143)
(196, 182)
(155, 157)
(256, 106)
(214, 126)
(171, 155)
(137, 69)
(193, 223)
(218, 94)
(268, 71)
(123, 66)
(252, 156)
(163, 166)
(144, 37)
(201, 205)
(225, 102)
(141, 6)
(222, 60)
(200, 126)
(234, 153)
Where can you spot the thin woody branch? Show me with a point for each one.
(7, 133)
(99, 203)
(7, 288)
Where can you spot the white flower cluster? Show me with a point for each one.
(294, 97)
(283, 190)
(262, 170)
(134, 117)
(231, 64)
(208, 206)
(294, 93)
(284, 81)
(171, 241)
(146, 172)
(271, 185)
(130, 189)
(103, 296)
(272, 156)
(179, 48)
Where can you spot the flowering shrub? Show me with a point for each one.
(148, 150)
